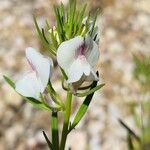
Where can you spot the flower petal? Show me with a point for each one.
(92, 53)
(67, 51)
(40, 64)
(92, 77)
(77, 70)
(29, 86)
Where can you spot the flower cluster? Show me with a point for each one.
(73, 41)
(77, 57)
(35, 82)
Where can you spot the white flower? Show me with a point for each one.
(35, 82)
(78, 58)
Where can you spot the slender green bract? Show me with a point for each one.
(83, 108)
(50, 145)
(90, 91)
(9, 81)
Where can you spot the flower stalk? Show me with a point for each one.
(73, 43)
(66, 123)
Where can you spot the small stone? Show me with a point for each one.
(11, 97)
(115, 46)
(12, 134)
(6, 4)
(77, 140)
(110, 33)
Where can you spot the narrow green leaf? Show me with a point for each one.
(72, 17)
(55, 134)
(36, 103)
(9, 81)
(62, 12)
(75, 26)
(43, 33)
(40, 34)
(42, 38)
(130, 143)
(47, 24)
(94, 21)
(81, 19)
(48, 141)
(83, 108)
(53, 38)
(131, 132)
(59, 24)
(85, 29)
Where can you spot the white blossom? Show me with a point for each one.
(35, 82)
(78, 58)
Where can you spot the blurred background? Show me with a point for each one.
(124, 67)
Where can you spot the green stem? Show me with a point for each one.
(55, 134)
(67, 113)
(142, 125)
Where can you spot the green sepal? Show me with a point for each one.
(83, 108)
(50, 145)
(55, 97)
(94, 22)
(63, 85)
(90, 91)
(64, 74)
(80, 88)
(53, 109)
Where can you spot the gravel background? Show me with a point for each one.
(125, 29)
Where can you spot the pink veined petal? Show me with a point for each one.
(40, 64)
(66, 52)
(76, 61)
(77, 70)
(29, 86)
